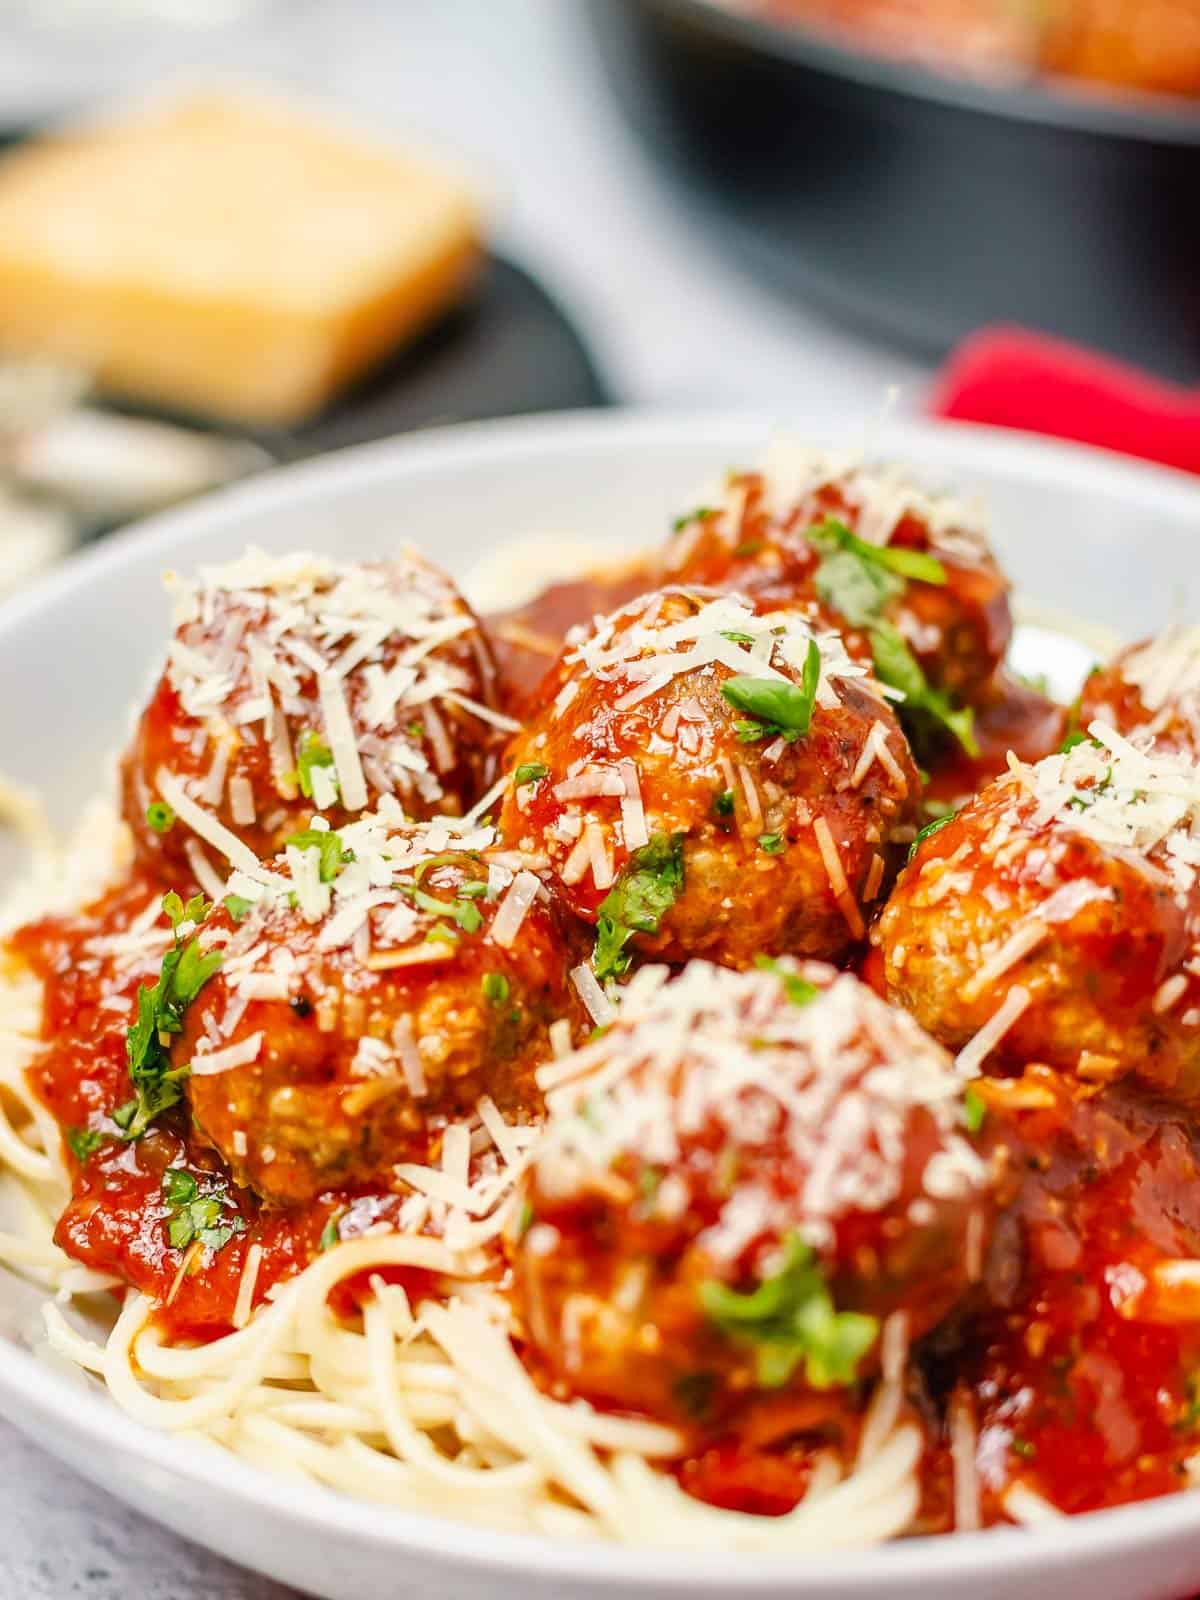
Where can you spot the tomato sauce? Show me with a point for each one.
(118, 1217)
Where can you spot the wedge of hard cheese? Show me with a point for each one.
(226, 254)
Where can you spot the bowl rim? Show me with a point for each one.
(39, 1399)
(1130, 115)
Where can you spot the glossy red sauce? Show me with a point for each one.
(527, 640)
(117, 1219)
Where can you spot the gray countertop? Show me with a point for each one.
(509, 87)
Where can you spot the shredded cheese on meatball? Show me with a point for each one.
(648, 654)
(1166, 674)
(881, 496)
(1123, 796)
(302, 647)
(837, 1078)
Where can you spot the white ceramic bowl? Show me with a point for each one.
(1079, 531)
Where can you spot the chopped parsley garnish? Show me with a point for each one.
(331, 1233)
(329, 843)
(194, 1215)
(529, 772)
(896, 666)
(160, 1010)
(790, 1320)
(833, 536)
(237, 906)
(681, 522)
(735, 636)
(495, 988)
(462, 909)
(798, 990)
(772, 844)
(160, 817)
(84, 1142)
(974, 1109)
(748, 547)
(723, 803)
(645, 891)
(777, 706)
(928, 831)
(1077, 737)
(441, 933)
(312, 754)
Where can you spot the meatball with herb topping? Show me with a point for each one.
(374, 983)
(739, 1181)
(1056, 918)
(296, 684)
(704, 780)
(907, 578)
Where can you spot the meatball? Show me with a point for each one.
(417, 970)
(1152, 689)
(891, 566)
(707, 781)
(739, 1180)
(1056, 918)
(296, 684)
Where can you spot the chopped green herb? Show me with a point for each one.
(974, 1109)
(790, 1319)
(798, 990)
(525, 1220)
(1076, 737)
(1023, 1447)
(84, 1142)
(649, 1182)
(160, 1011)
(329, 843)
(749, 732)
(236, 906)
(441, 933)
(896, 666)
(749, 547)
(495, 988)
(529, 772)
(723, 803)
(832, 535)
(177, 913)
(1037, 681)
(645, 891)
(196, 1215)
(681, 522)
(331, 1233)
(464, 911)
(928, 831)
(735, 637)
(160, 816)
(312, 754)
(772, 844)
(780, 707)
(416, 730)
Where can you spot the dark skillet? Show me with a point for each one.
(919, 204)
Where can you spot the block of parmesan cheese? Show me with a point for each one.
(226, 254)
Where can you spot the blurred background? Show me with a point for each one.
(792, 205)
